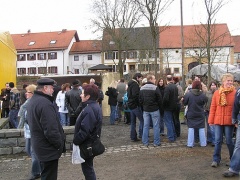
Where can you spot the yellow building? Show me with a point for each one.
(8, 56)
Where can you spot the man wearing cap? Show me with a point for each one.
(47, 136)
(73, 102)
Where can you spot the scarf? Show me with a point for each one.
(223, 92)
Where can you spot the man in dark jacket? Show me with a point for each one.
(133, 104)
(47, 136)
(150, 98)
(170, 100)
(5, 97)
(73, 102)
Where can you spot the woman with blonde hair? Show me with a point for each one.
(36, 167)
(220, 116)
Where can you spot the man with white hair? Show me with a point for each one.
(92, 81)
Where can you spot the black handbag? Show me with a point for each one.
(92, 148)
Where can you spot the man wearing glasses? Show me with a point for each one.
(47, 136)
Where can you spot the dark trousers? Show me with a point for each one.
(49, 170)
(127, 117)
(176, 120)
(72, 121)
(5, 112)
(87, 169)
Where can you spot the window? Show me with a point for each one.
(52, 55)
(21, 57)
(167, 71)
(238, 56)
(31, 57)
(42, 70)
(111, 55)
(76, 58)
(108, 55)
(132, 67)
(53, 42)
(42, 56)
(21, 71)
(89, 57)
(76, 71)
(31, 43)
(176, 70)
(132, 55)
(52, 70)
(142, 55)
(32, 70)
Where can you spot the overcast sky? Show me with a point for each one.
(17, 16)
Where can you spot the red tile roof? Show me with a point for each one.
(86, 46)
(171, 36)
(42, 40)
(236, 40)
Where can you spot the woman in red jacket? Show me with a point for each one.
(220, 116)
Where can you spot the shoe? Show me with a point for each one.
(171, 141)
(229, 174)
(145, 145)
(227, 164)
(35, 177)
(214, 164)
(155, 145)
(135, 140)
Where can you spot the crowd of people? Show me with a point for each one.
(156, 103)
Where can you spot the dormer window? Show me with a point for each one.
(31, 43)
(53, 42)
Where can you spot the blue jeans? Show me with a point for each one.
(13, 117)
(228, 132)
(136, 113)
(154, 117)
(113, 114)
(36, 166)
(202, 137)
(235, 160)
(210, 130)
(64, 119)
(168, 119)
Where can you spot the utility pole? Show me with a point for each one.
(182, 46)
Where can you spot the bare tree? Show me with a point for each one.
(151, 10)
(112, 17)
(212, 8)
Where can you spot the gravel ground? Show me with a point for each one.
(124, 159)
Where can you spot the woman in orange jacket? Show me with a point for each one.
(220, 116)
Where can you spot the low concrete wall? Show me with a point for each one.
(12, 141)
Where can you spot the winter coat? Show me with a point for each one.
(150, 97)
(5, 101)
(170, 98)
(89, 123)
(125, 103)
(121, 88)
(209, 95)
(133, 94)
(195, 100)
(73, 102)
(47, 136)
(60, 101)
(236, 108)
(221, 115)
(161, 89)
(112, 96)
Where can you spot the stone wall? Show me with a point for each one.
(12, 141)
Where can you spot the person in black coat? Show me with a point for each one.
(195, 99)
(89, 124)
(112, 101)
(161, 83)
(47, 136)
